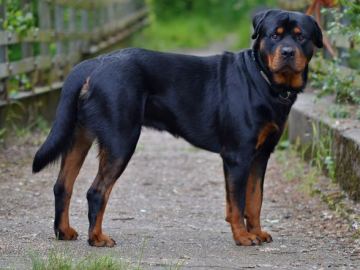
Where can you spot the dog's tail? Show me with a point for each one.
(61, 134)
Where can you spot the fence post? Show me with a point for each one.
(44, 23)
(85, 29)
(44, 17)
(72, 29)
(3, 56)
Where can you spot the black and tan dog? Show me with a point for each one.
(234, 104)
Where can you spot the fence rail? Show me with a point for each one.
(64, 32)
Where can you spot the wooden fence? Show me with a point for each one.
(65, 32)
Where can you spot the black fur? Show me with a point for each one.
(219, 103)
(60, 138)
(60, 193)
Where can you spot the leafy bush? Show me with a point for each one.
(330, 77)
(196, 23)
(19, 18)
(219, 9)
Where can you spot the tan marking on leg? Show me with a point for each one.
(253, 206)
(103, 183)
(240, 234)
(96, 236)
(70, 167)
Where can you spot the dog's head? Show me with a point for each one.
(285, 42)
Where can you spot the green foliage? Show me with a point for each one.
(338, 111)
(19, 17)
(225, 11)
(2, 135)
(20, 82)
(193, 24)
(358, 115)
(321, 155)
(318, 151)
(330, 77)
(345, 21)
(59, 261)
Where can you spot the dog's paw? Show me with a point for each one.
(246, 239)
(101, 240)
(66, 234)
(263, 235)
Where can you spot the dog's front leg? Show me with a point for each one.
(236, 168)
(254, 196)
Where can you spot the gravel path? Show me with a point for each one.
(170, 202)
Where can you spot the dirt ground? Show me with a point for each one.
(170, 203)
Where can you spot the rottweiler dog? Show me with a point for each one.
(234, 104)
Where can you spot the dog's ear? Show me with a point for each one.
(317, 34)
(258, 21)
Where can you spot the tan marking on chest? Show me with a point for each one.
(293, 80)
(265, 132)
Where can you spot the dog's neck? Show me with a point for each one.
(284, 93)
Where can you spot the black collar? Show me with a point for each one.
(285, 96)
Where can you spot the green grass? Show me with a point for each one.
(56, 260)
(297, 169)
(193, 31)
(61, 261)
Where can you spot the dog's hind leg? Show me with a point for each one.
(110, 169)
(71, 163)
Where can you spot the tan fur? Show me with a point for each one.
(265, 132)
(297, 30)
(70, 167)
(280, 30)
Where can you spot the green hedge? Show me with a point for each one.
(178, 24)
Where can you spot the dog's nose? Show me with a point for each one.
(287, 52)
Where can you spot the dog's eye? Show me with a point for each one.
(299, 37)
(275, 36)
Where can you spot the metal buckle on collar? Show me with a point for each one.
(285, 99)
(288, 93)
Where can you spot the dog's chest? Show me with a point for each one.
(265, 134)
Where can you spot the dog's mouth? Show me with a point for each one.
(286, 67)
